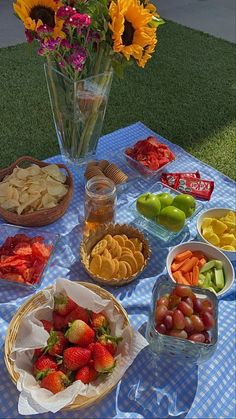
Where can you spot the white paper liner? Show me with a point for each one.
(31, 335)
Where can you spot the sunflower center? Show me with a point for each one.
(128, 34)
(46, 14)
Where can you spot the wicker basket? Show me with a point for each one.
(36, 301)
(43, 216)
(89, 242)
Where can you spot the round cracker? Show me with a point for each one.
(107, 268)
(95, 264)
(124, 236)
(122, 271)
(130, 245)
(137, 244)
(99, 248)
(116, 263)
(126, 250)
(107, 254)
(139, 259)
(119, 239)
(131, 260)
(129, 269)
(108, 239)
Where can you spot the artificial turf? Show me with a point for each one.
(186, 93)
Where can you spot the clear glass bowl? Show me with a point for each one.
(183, 349)
(52, 239)
(156, 229)
(143, 170)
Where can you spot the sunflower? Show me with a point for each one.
(131, 33)
(35, 13)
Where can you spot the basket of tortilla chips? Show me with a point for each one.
(34, 193)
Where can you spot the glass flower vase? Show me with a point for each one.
(78, 110)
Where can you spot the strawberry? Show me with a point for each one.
(48, 326)
(86, 374)
(44, 365)
(63, 304)
(79, 313)
(100, 322)
(55, 381)
(75, 357)
(58, 321)
(109, 342)
(91, 347)
(80, 333)
(66, 371)
(103, 359)
(56, 343)
(38, 352)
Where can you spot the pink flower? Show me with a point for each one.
(78, 58)
(78, 20)
(65, 44)
(44, 29)
(65, 11)
(49, 45)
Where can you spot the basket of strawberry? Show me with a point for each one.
(79, 344)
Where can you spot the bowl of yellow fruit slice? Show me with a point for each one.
(217, 226)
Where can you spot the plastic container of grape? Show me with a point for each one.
(187, 350)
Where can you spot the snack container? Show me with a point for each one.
(143, 170)
(156, 229)
(183, 349)
(52, 239)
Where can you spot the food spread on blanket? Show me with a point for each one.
(33, 188)
(221, 232)
(149, 153)
(195, 268)
(105, 169)
(116, 257)
(165, 209)
(181, 314)
(23, 258)
(190, 183)
(80, 347)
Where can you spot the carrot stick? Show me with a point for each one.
(180, 279)
(195, 275)
(191, 278)
(188, 266)
(182, 256)
(198, 254)
(176, 266)
(187, 277)
(201, 262)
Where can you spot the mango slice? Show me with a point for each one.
(221, 232)
(228, 247)
(206, 222)
(227, 239)
(214, 239)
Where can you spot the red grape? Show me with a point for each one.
(197, 305)
(188, 300)
(160, 313)
(178, 333)
(183, 291)
(178, 319)
(161, 329)
(185, 308)
(163, 300)
(207, 305)
(208, 320)
(170, 312)
(174, 300)
(197, 337)
(197, 323)
(188, 325)
(168, 322)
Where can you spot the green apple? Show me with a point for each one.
(148, 205)
(165, 199)
(186, 203)
(172, 218)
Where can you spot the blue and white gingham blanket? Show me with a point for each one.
(152, 387)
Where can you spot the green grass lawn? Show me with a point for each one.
(186, 93)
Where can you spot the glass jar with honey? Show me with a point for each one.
(100, 202)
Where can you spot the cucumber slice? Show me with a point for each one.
(218, 264)
(209, 265)
(219, 278)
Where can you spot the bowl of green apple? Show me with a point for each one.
(165, 212)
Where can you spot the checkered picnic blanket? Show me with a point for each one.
(152, 387)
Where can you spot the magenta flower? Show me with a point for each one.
(78, 20)
(44, 30)
(78, 58)
(49, 45)
(64, 12)
(30, 36)
(65, 44)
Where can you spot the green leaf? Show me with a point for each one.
(156, 21)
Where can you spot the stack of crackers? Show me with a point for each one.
(116, 257)
(105, 169)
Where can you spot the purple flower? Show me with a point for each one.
(30, 36)
(49, 45)
(65, 44)
(44, 30)
(65, 11)
(78, 58)
(79, 20)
